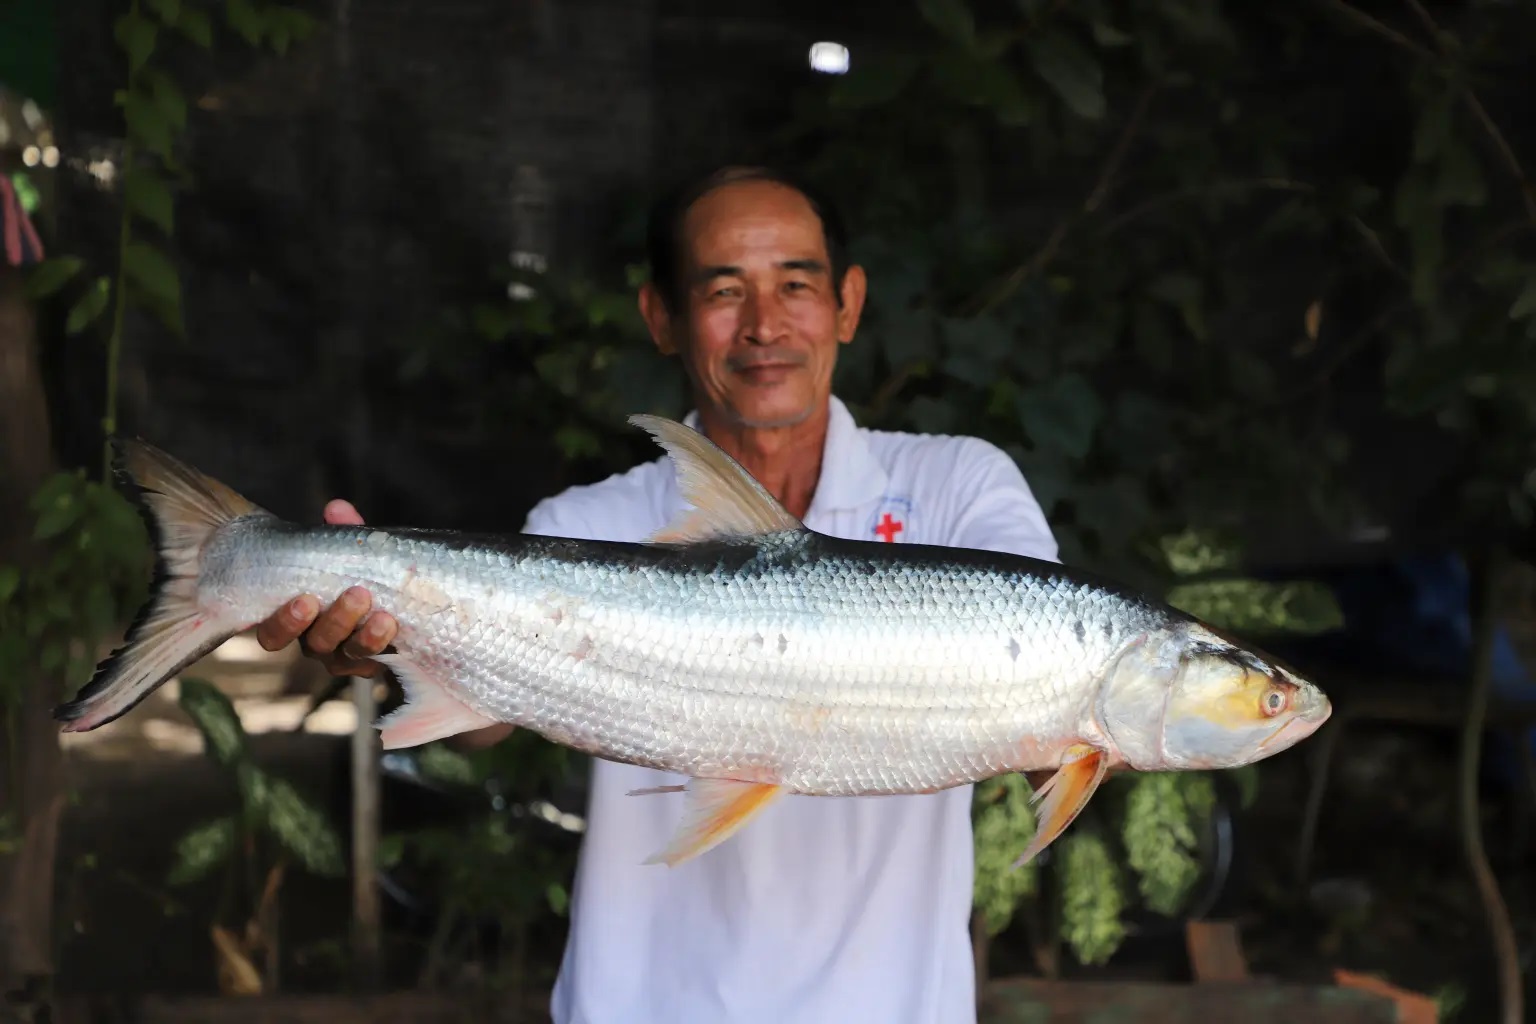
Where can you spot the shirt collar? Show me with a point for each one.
(850, 474)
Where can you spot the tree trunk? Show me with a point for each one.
(31, 784)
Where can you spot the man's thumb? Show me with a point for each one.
(341, 513)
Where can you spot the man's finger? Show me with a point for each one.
(284, 626)
(339, 512)
(375, 635)
(339, 620)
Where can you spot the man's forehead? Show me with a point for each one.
(753, 214)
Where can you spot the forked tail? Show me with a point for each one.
(184, 510)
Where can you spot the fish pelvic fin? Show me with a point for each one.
(1063, 797)
(183, 509)
(715, 810)
(430, 711)
(728, 501)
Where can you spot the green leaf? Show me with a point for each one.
(168, 97)
(1525, 305)
(302, 829)
(168, 11)
(194, 24)
(1091, 897)
(136, 35)
(492, 321)
(51, 275)
(578, 442)
(985, 83)
(1415, 210)
(202, 849)
(89, 306)
(1185, 293)
(147, 123)
(214, 715)
(872, 82)
(445, 765)
(244, 19)
(148, 195)
(952, 18)
(152, 273)
(1460, 181)
(1160, 840)
(1004, 824)
(1433, 128)
(10, 582)
(1061, 414)
(1071, 70)
(1252, 606)
(1107, 35)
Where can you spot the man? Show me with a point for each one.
(824, 909)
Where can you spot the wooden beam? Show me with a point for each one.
(1020, 1001)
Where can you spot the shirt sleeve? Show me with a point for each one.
(558, 516)
(997, 511)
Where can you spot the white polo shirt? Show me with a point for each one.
(822, 910)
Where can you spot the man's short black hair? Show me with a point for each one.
(664, 228)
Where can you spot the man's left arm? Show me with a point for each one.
(995, 510)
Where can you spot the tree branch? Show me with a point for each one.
(1103, 184)
(1381, 28)
(1345, 351)
(1511, 161)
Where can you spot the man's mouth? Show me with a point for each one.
(767, 372)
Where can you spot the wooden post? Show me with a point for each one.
(31, 770)
(344, 352)
(365, 836)
(1484, 581)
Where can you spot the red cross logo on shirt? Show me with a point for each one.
(888, 529)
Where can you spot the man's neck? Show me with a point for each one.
(785, 460)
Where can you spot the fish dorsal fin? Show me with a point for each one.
(727, 500)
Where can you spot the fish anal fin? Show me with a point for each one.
(715, 810)
(1064, 795)
(727, 500)
(430, 711)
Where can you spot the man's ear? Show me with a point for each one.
(658, 319)
(852, 292)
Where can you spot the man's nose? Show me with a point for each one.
(764, 320)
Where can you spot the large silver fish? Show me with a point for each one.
(737, 647)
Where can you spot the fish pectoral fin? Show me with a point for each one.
(1063, 796)
(728, 501)
(714, 811)
(430, 711)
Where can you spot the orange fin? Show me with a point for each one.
(715, 809)
(429, 713)
(1063, 796)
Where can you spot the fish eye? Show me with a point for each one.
(1274, 701)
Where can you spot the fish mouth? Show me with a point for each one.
(1298, 728)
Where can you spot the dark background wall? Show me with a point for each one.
(345, 194)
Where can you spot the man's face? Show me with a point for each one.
(760, 322)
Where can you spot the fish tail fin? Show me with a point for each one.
(183, 509)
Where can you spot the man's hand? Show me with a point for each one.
(345, 637)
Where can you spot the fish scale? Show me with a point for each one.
(738, 649)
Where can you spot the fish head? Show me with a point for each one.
(1194, 700)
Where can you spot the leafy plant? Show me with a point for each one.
(274, 825)
(488, 871)
(85, 582)
(85, 574)
(1092, 197)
